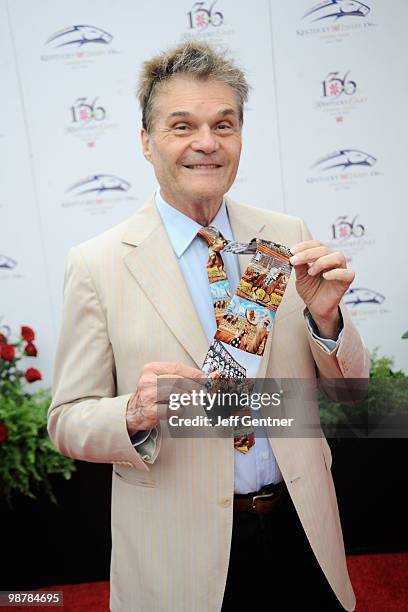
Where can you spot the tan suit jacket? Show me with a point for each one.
(126, 304)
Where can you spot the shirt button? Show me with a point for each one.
(265, 455)
(225, 502)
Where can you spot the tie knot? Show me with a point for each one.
(213, 237)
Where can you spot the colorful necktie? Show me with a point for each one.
(244, 320)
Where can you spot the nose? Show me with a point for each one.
(205, 141)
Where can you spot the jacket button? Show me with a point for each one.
(225, 502)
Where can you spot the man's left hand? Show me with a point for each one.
(322, 279)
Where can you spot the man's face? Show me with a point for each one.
(195, 141)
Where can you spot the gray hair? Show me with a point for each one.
(195, 59)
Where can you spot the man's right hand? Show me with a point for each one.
(145, 408)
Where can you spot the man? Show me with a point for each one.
(137, 307)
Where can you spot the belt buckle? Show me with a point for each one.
(260, 496)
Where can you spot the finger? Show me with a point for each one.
(147, 388)
(180, 383)
(179, 404)
(170, 387)
(189, 383)
(164, 412)
(147, 422)
(144, 417)
(309, 255)
(157, 389)
(340, 274)
(328, 262)
(306, 244)
(173, 369)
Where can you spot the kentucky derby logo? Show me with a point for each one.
(89, 121)
(98, 193)
(343, 228)
(353, 236)
(337, 9)
(345, 159)
(333, 20)
(339, 96)
(201, 16)
(78, 36)
(334, 85)
(7, 263)
(343, 169)
(359, 295)
(99, 184)
(78, 45)
(84, 111)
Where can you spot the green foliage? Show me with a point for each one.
(387, 396)
(27, 455)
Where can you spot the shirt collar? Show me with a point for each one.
(182, 230)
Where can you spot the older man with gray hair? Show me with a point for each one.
(196, 524)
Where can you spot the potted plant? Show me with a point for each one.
(384, 403)
(27, 456)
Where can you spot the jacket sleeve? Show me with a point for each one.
(351, 359)
(86, 420)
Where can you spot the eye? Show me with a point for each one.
(225, 127)
(181, 127)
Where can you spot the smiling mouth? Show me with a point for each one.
(202, 166)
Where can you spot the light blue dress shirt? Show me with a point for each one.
(258, 467)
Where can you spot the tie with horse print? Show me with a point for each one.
(244, 320)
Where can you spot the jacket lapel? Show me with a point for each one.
(153, 264)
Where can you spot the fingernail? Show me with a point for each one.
(294, 259)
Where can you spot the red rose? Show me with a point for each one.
(4, 432)
(33, 374)
(3, 339)
(7, 352)
(27, 333)
(30, 350)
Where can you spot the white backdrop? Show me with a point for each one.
(324, 137)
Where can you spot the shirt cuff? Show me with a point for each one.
(328, 345)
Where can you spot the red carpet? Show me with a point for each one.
(380, 583)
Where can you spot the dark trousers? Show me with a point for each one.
(272, 566)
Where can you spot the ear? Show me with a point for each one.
(146, 144)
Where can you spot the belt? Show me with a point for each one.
(265, 501)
